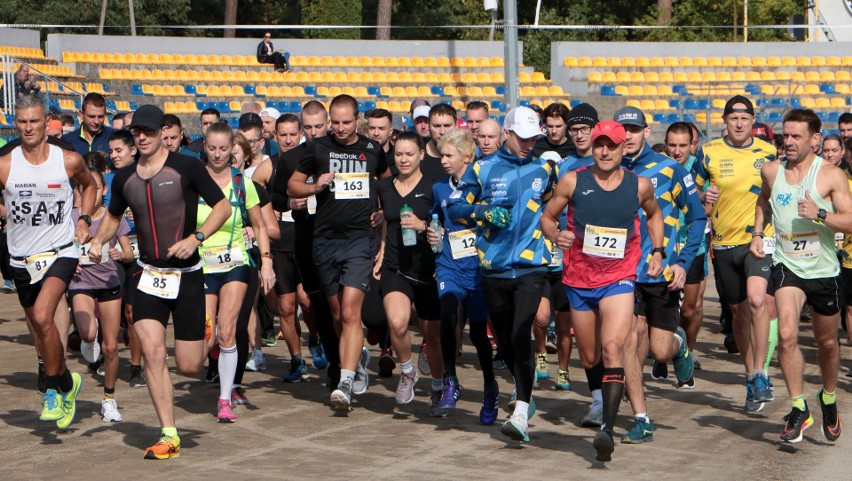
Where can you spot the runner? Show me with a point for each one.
(603, 258)
(731, 165)
(174, 136)
(225, 258)
(92, 135)
(345, 167)
(844, 125)
(37, 181)
(442, 119)
(504, 194)
(807, 200)
(556, 137)
(208, 117)
(162, 191)
(490, 137)
(476, 112)
(101, 283)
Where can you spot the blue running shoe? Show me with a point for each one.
(762, 389)
(450, 394)
(490, 400)
(751, 405)
(684, 366)
(318, 355)
(297, 369)
(642, 431)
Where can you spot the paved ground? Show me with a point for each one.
(290, 432)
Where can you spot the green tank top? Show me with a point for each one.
(804, 246)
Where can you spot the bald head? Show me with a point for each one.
(488, 137)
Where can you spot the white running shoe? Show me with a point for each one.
(109, 410)
(594, 418)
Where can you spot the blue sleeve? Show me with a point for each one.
(463, 204)
(693, 212)
(699, 168)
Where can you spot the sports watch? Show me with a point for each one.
(661, 250)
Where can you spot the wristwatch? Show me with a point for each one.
(820, 215)
(661, 250)
(199, 235)
(88, 219)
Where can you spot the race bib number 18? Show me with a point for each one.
(605, 242)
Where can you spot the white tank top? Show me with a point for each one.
(39, 200)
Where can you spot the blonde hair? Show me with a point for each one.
(462, 140)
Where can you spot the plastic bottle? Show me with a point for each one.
(436, 226)
(409, 236)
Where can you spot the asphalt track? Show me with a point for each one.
(290, 432)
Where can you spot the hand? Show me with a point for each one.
(807, 208)
(267, 274)
(248, 235)
(83, 235)
(655, 266)
(410, 221)
(128, 214)
(433, 237)
(298, 204)
(498, 216)
(678, 278)
(182, 249)
(115, 254)
(377, 219)
(96, 252)
(565, 239)
(323, 182)
(756, 247)
(712, 195)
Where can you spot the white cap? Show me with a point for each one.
(270, 112)
(551, 156)
(523, 121)
(422, 111)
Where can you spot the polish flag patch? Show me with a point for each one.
(54, 186)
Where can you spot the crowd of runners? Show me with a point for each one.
(554, 229)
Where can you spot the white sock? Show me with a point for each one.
(679, 341)
(643, 416)
(227, 370)
(346, 374)
(597, 395)
(521, 409)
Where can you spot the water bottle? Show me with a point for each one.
(436, 226)
(409, 236)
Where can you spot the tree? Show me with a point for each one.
(230, 17)
(664, 12)
(332, 12)
(383, 19)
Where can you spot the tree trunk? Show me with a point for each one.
(230, 17)
(664, 12)
(383, 20)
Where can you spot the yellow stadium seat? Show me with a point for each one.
(411, 91)
(837, 103)
(403, 62)
(527, 91)
(743, 62)
(650, 90)
(451, 91)
(822, 103)
(812, 76)
(714, 61)
(842, 89)
(800, 61)
(541, 90)
(758, 61)
(826, 76)
(276, 91)
(498, 77)
(524, 77)
(398, 92)
(680, 77)
(634, 90)
(392, 77)
(169, 108)
(782, 90)
(488, 91)
(708, 76)
(782, 75)
(497, 62)
(405, 77)
(457, 62)
(657, 62)
(628, 61)
(556, 91)
(643, 62)
(443, 62)
(327, 77)
(773, 61)
(812, 89)
(395, 106)
(790, 61)
(637, 77)
(622, 77)
(684, 62)
(584, 62)
(340, 77)
(570, 62)
(842, 75)
(818, 61)
(483, 77)
(476, 91)
(729, 62)
(645, 104)
(595, 77)
(699, 62)
(670, 62)
(766, 75)
(613, 61)
(666, 77)
(693, 77)
(621, 90)
(797, 76)
(538, 77)
(665, 90)
(723, 76)
(599, 62)
(661, 104)
(335, 90)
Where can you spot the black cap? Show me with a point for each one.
(250, 119)
(763, 132)
(147, 116)
(738, 99)
(583, 114)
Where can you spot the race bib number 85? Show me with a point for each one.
(159, 283)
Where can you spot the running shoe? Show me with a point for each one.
(362, 377)
(257, 361)
(731, 344)
(797, 422)
(423, 361)
(550, 344)
(511, 406)
(490, 403)
(695, 362)
(594, 418)
(541, 370)
(224, 411)
(8, 287)
(498, 363)
(41, 383)
(97, 366)
(69, 403)
(435, 408)
(51, 406)
(109, 410)
(405, 388)
(297, 369)
(238, 397)
(642, 431)
(212, 372)
(167, 447)
(830, 419)
(660, 371)
(318, 358)
(689, 384)
(604, 445)
(683, 365)
(386, 363)
(268, 339)
(762, 389)
(137, 377)
(563, 381)
(751, 405)
(451, 393)
(341, 398)
(516, 428)
(101, 370)
(90, 351)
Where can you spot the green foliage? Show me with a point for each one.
(332, 12)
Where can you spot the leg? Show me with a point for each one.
(352, 335)
(790, 301)
(152, 336)
(564, 341)
(449, 324)
(825, 333)
(230, 301)
(110, 321)
(756, 287)
(48, 340)
(398, 309)
(634, 358)
(287, 311)
(692, 311)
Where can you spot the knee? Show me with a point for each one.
(109, 348)
(827, 343)
(188, 368)
(757, 302)
(350, 315)
(687, 312)
(787, 337)
(612, 353)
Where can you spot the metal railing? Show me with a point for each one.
(8, 68)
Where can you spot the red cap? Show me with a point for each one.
(610, 129)
(461, 124)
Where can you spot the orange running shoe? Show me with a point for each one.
(167, 447)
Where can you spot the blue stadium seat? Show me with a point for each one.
(674, 103)
(191, 90)
(136, 89)
(834, 116)
(680, 89)
(672, 118)
(439, 91)
(201, 105)
(78, 104)
(752, 89)
(501, 90)
(525, 103)
(822, 116)
(373, 91)
(660, 118)
(827, 89)
(777, 102)
(250, 90)
(111, 105)
(498, 106)
(575, 103)
(224, 108)
(795, 103)
(361, 107)
(134, 105)
(609, 91)
(311, 90)
(772, 117)
(369, 105)
(233, 122)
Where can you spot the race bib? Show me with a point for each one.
(162, 284)
(312, 205)
(605, 242)
(134, 246)
(351, 185)
(38, 265)
(803, 245)
(287, 216)
(84, 254)
(556, 255)
(769, 245)
(222, 259)
(463, 243)
(839, 236)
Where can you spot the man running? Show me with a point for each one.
(807, 200)
(162, 191)
(490, 137)
(556, 132)
(40, 233)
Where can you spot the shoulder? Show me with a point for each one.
(71, 158)
(385, 183)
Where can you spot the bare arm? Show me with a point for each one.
(106, 231)
(267, 275)
(841, 198)
(79, 173)
(271, 222)
(262, 174)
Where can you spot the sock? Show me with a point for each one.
(679, 342)
(613, 391)
(597, 395)
(750, 376)
(109, 392)
(758, 372)
(298, 358)
(346, 374)
(170, 432)
(798, 402)
(408, 366)
(227, 370)
(594, 375)
(773, 343)
(642, 416)
(521, 410)
(65, 381)
(437, 384)
(257, 352)
(828, 397)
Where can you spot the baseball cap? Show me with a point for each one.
(249, 119)
(610, 129)
(738, 99)
(630, 116)
(763, 132)
(270, 112)
(422, 111)
(417, 103)
(523, 121)
(582, 114)
(551, 156)
(148, 117)
(461, 124)
(54, 125)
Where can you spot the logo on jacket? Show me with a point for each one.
(536, 185)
